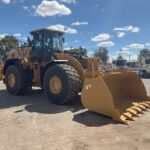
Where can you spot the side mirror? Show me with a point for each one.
(63, 39)
(29, 42)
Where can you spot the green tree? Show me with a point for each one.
(144, 53)
(80, 51)
(25, 44)
(102, 54)
(7, 44)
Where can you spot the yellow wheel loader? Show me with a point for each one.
(120, 94)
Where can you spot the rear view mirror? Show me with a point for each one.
(63, 39)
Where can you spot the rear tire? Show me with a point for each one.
(69, 82)
(20, 84)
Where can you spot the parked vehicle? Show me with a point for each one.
(119, 64)
(145, 68)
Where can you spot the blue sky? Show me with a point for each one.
(117, 24)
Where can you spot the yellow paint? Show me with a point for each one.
(119, 95)
(1, 71)
(37, 76)
(19, 53)
(55, 85)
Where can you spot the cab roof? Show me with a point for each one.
(46, 29)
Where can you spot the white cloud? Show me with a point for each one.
(68, 1)
(147, 44)
(125, 48)
(25, 7)
(127, 29)
(67, 48)
(90, 53)
(101, 37)
(76, 41)
(18, 1)
(121, 34)
(52, 8)
(58, 27)
(6, 1)
(25, 38)
(33, 6)
(124, 52)
(112, 57)
(3, 35)
(62, 28)
(70, 30)
(135, 29)
(17, 35)
(136, 46)
(79, 23)
(132, 57)
(106, 44)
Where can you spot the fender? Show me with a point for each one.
(10, 62)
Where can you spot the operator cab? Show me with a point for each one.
(45, 43)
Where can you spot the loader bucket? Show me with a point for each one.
(119, 94)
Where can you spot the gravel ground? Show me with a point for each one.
(31, 122)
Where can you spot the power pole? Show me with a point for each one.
(129, 61)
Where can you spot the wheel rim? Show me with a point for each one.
(11, 80)
(55, 85)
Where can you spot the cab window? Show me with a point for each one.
(37, 42)
(147, 61)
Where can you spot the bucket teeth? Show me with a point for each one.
(148, 102)
(140, 106)
(137, 109)
(133, 112)
(123, 119)
(145, 104)
(128, 116)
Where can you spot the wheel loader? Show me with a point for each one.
(120, 94)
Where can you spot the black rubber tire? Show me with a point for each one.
(145, 74)
(21, 86)
(70, 83)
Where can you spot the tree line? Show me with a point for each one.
(144, 53)
(9, 43)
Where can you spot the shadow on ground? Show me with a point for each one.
(36, 101)
(92, 119)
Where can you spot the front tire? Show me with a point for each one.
(15, 80)
(61, 83)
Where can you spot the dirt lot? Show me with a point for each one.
(32, 123)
